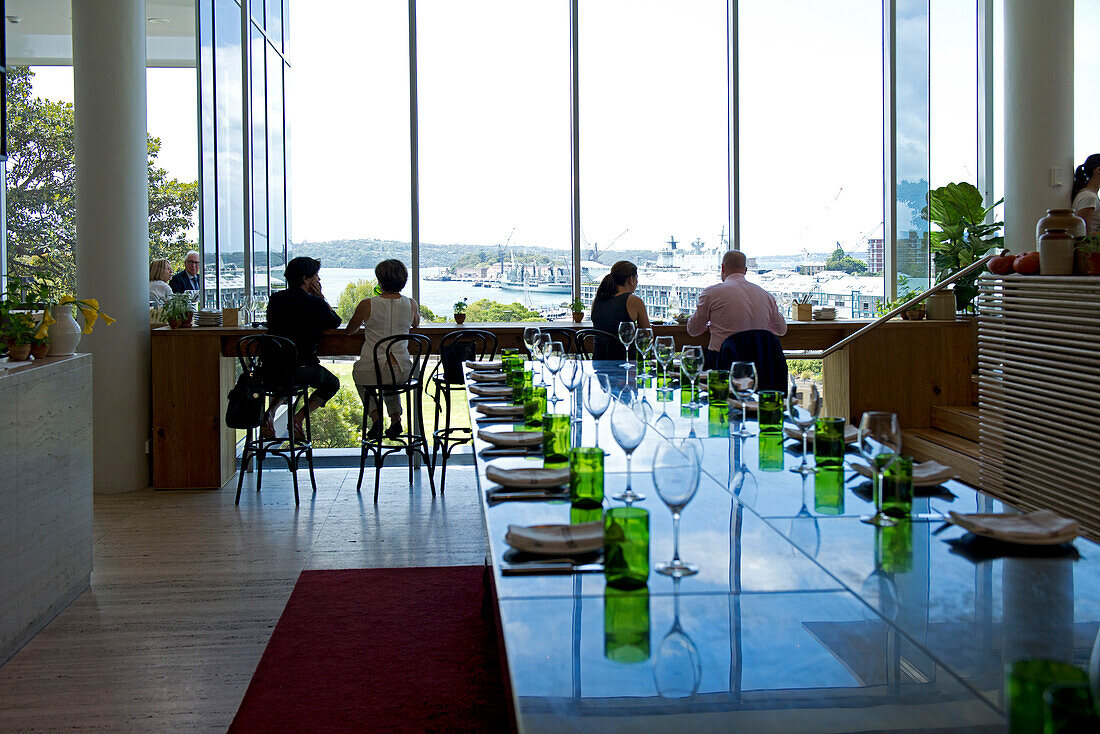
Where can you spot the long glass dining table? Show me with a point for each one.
(801, 618)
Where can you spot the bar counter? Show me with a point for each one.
(904, 366)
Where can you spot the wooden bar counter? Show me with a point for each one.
(906, 366)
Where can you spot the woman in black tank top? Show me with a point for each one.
(614, 303)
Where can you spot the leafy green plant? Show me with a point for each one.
(176, 307)
(963, 237)
(576, 305)
(1089, 245)
(460, 306)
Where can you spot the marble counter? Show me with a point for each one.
(45, 492)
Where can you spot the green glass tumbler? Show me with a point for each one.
(718, 387)
(626, 547)
(829, 442)
(626, 625)
(1026, 682)
(1069, 709)
(770, 451)
(718, 420)
(897, 488)
(555, 437)
(586, 476)
(829, 491)
(534, 406)
(579, 515)
(894, 547)
(770, 411)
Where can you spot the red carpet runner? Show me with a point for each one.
(380, 650)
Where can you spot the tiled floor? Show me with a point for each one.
(187, 587)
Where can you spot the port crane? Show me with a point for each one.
(503, 248)
(594, 248)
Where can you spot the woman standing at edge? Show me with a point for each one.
(1086, 184)
(614, 303)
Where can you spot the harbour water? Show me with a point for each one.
(438, 295)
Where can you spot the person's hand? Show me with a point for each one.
(315, 289)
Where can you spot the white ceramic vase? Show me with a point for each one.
(65, 334)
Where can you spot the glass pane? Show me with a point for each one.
(1086, 79)
(230, 150)
(276, 167)
(275, 21)
(259, 161)
(654, 141)
(811, 150)
(954, 104)
(494, 158)
(912, 145)
(208, 227)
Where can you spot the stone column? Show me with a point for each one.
(112, 230)
(1038, 112)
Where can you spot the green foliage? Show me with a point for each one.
(41, 206)
(486, 310)
(846, 263)
(905, 292)
(175, 307)
(963, 236)
(339, 422)
(576, 305)
(427, 317)
(353, 293)
(806, 369)
(460, 306)
(1089, 245)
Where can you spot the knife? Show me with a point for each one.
(536, 569)
(495, 497)
(510, 452)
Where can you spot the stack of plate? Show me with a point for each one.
(825, 313)
(209, 318)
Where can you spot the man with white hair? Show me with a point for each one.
(188, 279)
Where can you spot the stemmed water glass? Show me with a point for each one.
(880, 444)
(643, 342)
(803, 407)
(665, 349)
(691, 361)
(554, 359)
(676, 477)
(531, 336)
(572, 372)
(742, 385)
(805, 532)
(597, 397)
(542, 348)
(627, 331)
(261, 303)
(677, 670)
(628, 424)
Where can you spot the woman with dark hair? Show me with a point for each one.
(615, 302)
(386, 314)
(1086, 183)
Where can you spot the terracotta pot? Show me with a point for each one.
(1056, 252)
(578, 316)
(1087, 263)
(914, 314)
(184, 323)
(40, 350)
(19, 352)
(459, 318)
(1060, 219)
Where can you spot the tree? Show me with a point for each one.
(354, 292)
(486, 310)
(840, 261)
(41, 193)
(338, 423)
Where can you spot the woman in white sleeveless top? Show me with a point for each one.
(384, 315)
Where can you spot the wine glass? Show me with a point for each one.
(572, 372)
(628, 427)
(676, 477)
(742, 385)
(627, 331)
(691, 361)
(643, 342)
(677, 670)
(880, 444)
(805, 532)
(542, 346)
(530, 339)
(597, 397)
(554, 359)
(803, 407)
(665, 349)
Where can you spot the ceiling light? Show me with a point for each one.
(159, 20)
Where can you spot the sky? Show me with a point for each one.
(493, 83)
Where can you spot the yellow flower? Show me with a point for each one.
(47, 320)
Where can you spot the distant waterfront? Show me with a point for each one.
(438, 295)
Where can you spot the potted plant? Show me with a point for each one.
(460, 311)
(803, 309)
(963, 236)
(578, 310)
(177, 309)
(18, 332)
(1087, 256)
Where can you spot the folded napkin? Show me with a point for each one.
(511, 438)
(495, 410)
(527, 477)
(491, 391)
(925, 474)
(485, 364)
(556, 539)
(1042, 527)
(488, 376)
(851, 434)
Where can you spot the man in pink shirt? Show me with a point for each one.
(734, 305)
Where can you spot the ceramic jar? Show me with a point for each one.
(1061, 219)
(1056, 252)
(65, 334)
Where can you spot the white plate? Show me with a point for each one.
(488, 364)
(963, 521)
(527, 478)
(500, 411)
(488, 376)
(511, 439)
(925, 474)
(491, 391)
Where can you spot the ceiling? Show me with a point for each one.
(43, 34)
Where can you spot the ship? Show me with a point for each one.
(555, 279)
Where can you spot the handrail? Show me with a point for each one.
(976, 265)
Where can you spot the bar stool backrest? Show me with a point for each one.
(565, 336)
(386, 363)
(598, 344)
(457, 346)
(271, 359)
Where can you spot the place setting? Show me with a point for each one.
(511, 443)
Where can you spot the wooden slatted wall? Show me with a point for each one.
(1039, 372)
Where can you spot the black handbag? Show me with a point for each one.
(245, 408)
(452, 358)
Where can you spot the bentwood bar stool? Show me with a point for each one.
(455, 348)
(272, 360)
